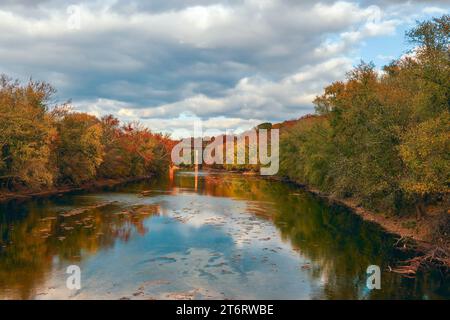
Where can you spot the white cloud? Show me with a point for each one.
(242, 60)
(435, 10)
(252, 98)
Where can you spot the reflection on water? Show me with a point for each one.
(211, 235)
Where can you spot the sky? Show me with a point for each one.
(231, 63)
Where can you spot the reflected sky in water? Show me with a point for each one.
(212, 236)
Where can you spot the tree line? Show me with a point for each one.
(44, 145)
(381, 136)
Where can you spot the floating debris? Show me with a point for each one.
(146, 192)
(306, 266)
(188, 295)
(48, 218)
(78, 211)
(144, 210)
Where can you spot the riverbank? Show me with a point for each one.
(429, 246)
(91, 185)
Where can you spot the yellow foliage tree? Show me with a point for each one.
(425, 151)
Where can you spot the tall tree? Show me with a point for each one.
(26, 133)
(80, 150)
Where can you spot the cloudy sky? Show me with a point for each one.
(232, 63)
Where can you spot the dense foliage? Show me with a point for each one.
(43, 145)
(382, 137)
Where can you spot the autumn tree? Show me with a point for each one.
(79, 150)
(114, 161)
(44, 145)
(425, 151)
(26, 133)
(306, 151)
(384, 138)
(132, 149)
(425, 144)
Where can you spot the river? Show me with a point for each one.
(214, 235)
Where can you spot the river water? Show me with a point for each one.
(213, 235)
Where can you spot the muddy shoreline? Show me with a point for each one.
(389, 223)
(92, 185)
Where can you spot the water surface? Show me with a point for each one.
(217, 236)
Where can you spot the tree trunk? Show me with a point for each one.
(420, 210)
